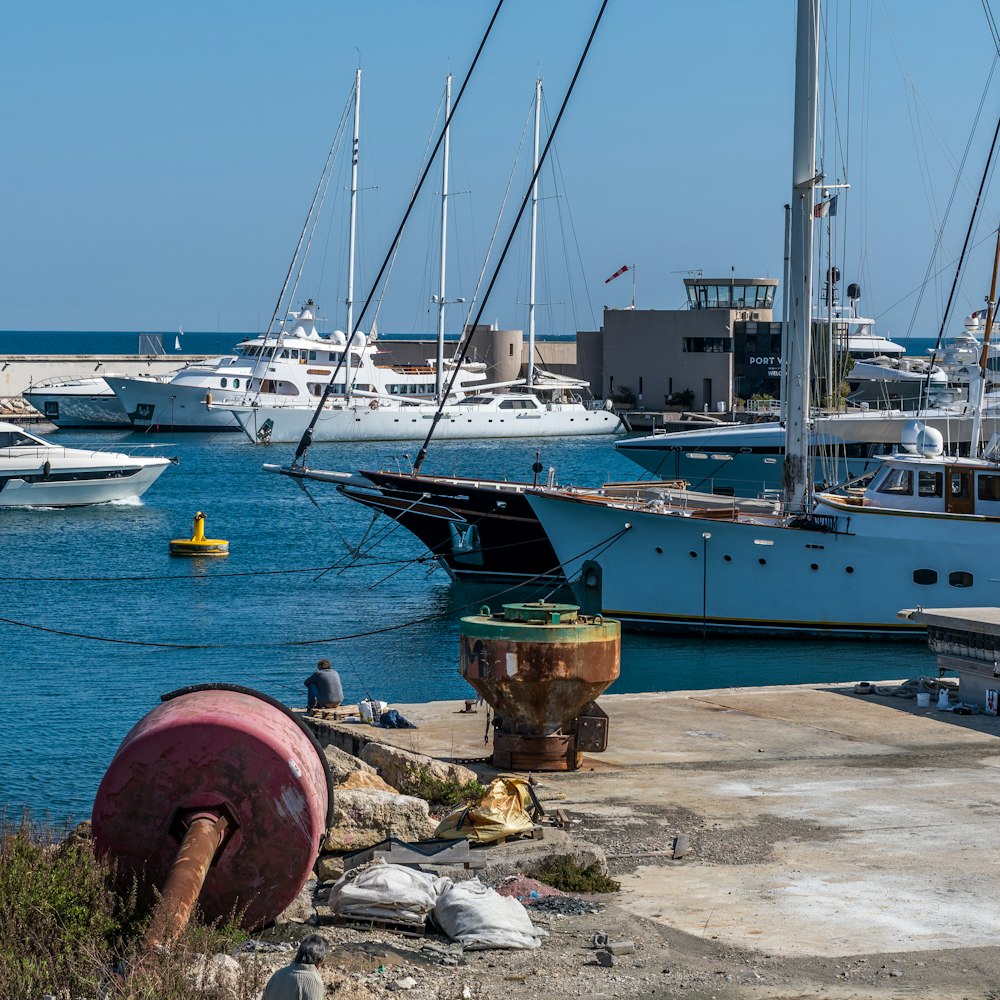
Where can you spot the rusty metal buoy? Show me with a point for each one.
(541, 667)
(220, 797)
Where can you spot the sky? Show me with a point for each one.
(160, 159)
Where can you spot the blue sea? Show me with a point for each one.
(97, 620)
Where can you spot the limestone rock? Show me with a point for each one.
(363, 817)
(366, 779)
(300, 910)
(398, 766)
(329, 868)
(342, 763)
(220, 975)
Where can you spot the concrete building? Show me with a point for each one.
(723, 346)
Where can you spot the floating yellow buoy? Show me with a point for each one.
(198, 544)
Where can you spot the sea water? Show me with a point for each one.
(98, 620)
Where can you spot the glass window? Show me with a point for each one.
(929, 484)
(507, 404)
(899, 482)
(989, 487)
(960, 579)
(960, 483)
(925, 577)
(224, 382)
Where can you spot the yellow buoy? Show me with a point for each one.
(198, 544)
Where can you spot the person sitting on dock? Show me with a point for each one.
(324, 687)
(300, 980)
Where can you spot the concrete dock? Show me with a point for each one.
(822, 823)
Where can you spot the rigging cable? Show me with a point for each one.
(306, 440)
(460, 358)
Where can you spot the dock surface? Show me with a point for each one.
(821, 822)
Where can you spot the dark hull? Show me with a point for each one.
(479, 530)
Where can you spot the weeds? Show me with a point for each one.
(69, 926)
(563, 872)
(447, 794)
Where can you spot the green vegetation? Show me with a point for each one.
(624, 396)
(70, 927)
(447, 794)
(684, 399)
(563, 872)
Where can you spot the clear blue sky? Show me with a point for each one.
(159, 159)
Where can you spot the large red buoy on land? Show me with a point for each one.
(220, 796)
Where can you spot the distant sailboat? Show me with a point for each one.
(177, 339)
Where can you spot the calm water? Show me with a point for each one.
(69, 700)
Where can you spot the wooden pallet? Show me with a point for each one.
(373, 924)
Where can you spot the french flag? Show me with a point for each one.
(617, 273)
(826, 208)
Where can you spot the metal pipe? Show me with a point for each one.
(201, 843)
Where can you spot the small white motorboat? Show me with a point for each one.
(36, 473)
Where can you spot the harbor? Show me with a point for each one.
(444, 629)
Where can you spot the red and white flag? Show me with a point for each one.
(617, 273)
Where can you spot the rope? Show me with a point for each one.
(606, 542)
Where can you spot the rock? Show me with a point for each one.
(218, 974)
(398, 766)
(329, 868)
(364, 817)
(366, 779)
(342, 763)
(406, 983)
(300, 910)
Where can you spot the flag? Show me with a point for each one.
(826, 208)
(617, 273)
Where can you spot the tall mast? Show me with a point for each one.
(977, 391)
(534, 239)
(353, 227)
(441, 304)
(798, 465)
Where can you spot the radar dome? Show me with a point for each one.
(930, 442)
(338, 337)
(910, 435)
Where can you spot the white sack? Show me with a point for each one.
(387, 892)
(478, 917)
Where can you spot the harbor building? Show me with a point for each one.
(722, 346)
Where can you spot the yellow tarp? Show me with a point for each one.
(502, 811)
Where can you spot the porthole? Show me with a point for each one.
(236, 383)
(728, 558)
(960, 579)
(763, 562)
(224, 383)
(925, 577)
(693, 555)
(659, 551)
(814, 565)
(848, 569)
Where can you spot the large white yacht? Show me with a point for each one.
(290, 368)
(36, 473)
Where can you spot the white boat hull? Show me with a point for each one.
(362, 422)
(688, 573)
(167, 406)
(96, 409)
(35, 491)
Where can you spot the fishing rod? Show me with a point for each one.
(307, 435)
(460, 358)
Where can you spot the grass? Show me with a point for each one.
(563, 872)
(69, 926)
(442, 794)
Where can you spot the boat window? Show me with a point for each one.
(15, 439)
(989, 487)
(355, 360)
(961, 484)
(899, 482)
(236, 383)
(477, 399)
(960, 579)
(929, 484)
(925, 577)
(312, 355)
(224, 382)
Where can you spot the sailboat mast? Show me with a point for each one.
(798, 467)
(984, 359)
(441, 304)
(534, 239)
(353, 228)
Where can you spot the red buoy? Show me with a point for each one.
(221, 796)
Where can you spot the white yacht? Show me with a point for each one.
(36, 473)
(291, 368)
(924, 532)
(81, 402)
